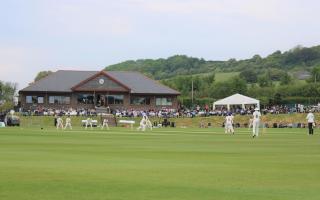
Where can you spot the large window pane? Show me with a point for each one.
(40, 100)
(85, 98)
(140, 100)
(110, 99)
(34, 99)
(164, 101)
(115, 99)
(118, 99)
(29, 99)
(59, 100)
(51, 99)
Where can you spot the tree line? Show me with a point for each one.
(7, 92)
(302, 58)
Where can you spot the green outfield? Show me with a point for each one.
(167, 163)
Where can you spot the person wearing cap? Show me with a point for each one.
(256, 122)
(311, 122)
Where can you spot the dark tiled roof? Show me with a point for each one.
(138, 83)
(60, 81)
(63, 81)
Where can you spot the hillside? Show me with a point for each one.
(299, 61)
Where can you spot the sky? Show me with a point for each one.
(37, 35)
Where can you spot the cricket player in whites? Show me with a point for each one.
(59, 123)
(256, 122)
(105, 124)
(89, 122)
(143, 124)
(229, 124)
(68, 123)
(148, 122)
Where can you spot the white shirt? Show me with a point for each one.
(229, 120)
(310, 118)
(59, 120)
(68, 120)
(256, 115)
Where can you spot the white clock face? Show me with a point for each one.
(101, 81)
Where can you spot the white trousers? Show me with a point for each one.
(255, 129)
(59, 125)
(68, 125)
(88, 124)
(105, 125)
(229, 128)
(142, 127)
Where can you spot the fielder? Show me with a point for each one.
(105, 124)
(148, 122)
(68, 123)
(59, 123)
(256, 122)
(89, 123)
(229, 124)
(143, 124)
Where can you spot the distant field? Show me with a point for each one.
(219, 77)
(172, 163)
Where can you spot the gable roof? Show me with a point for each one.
(101, 73)
(59, 81)
(141, 84)
(237, 99)
(65, 81)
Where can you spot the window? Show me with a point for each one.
(85, 98)
(40, 100)
(164, 101)
(140, 100)
(34, 99)
(59, 100)
(29, 99)
(115, 99)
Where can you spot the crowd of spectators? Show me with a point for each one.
(169, 113)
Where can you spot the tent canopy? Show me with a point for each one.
(237, 99)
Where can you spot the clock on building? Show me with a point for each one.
(101, 81)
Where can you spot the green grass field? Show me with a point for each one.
(224, 76)
(170, 163)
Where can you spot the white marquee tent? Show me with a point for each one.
(237, 99)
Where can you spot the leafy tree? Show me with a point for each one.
(249, 75)
(264, 81)
(315, 74)
(7, 92)
(286, 79)
(275, 74)
(238, 85)
(42, 74)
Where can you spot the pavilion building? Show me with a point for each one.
(92, 89)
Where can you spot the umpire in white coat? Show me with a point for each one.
(256, 122)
